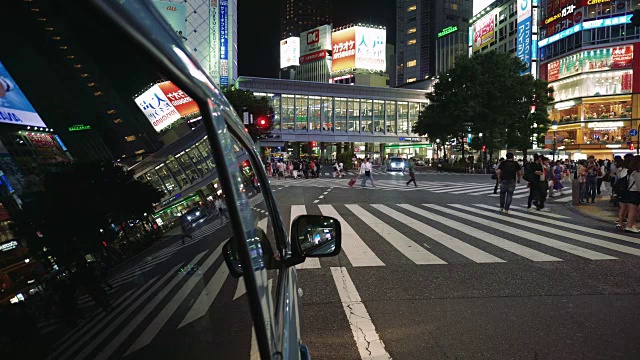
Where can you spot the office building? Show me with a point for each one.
(417, 24)
(590, 55)
(297, 16)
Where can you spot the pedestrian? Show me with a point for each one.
(581, 176)
(412, 175)
(632, 197)
(221, 208)
(365, 171)
(507, 173)
(497, 166)
(557, 176)
(593, 171)
(602, 172)
(186, 227)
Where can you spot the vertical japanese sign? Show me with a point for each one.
(344, 49)
(524, 46)
(224, 46)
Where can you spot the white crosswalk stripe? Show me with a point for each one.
(419, 235)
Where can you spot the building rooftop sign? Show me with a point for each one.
(79, 127)
(447, 31)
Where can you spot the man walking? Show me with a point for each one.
(507, 172)
(412, 175)
(365, 171)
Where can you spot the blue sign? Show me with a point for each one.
(224, 46)
(64, 148)
(633, 132)
(524, 46)
(593, 24)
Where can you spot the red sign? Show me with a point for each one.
(554, 71)
(577, 17)
(313, 37)
(313, 56)
(626, 81)
(622, 57)
(181, 101)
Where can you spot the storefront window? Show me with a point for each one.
(391, 116)
(177, 172)
(188, 167)
(154, 180)
(203, 146)
(606, 132)
(367, 115)
(403, 117)
(194, 154)
(288, 112)
(595, 84)
(314, 112)
(607, 110)
(353, 114)
(327, 114)
(378, 115)
(302, 103)
(166, 178)
(414, 112)
(341, 114)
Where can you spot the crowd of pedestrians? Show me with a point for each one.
(296, 168)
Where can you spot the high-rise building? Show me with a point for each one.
(297, 16)
(418, 22)
(210, 29)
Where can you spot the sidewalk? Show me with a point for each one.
(602, 210)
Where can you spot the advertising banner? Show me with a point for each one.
(14, 106)
(371, 49)
(315, 40)
(600, 84)
(591, 60)
(289, 52)
(484, 30)
(344, 49)
(523, 50)
(157, 108)
(47, 148)
(322, 54)
(224, 46)
(179, 100)
(174, 13)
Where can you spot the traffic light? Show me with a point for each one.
(262, 122)
(635, 18)
(484, 148)
(631, 146)
(314, 144)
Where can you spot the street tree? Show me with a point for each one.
(245, 101)
(485, 94)
(78, 205)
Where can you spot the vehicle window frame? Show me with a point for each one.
(144, 24)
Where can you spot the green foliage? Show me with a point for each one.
(245, 101)
(488, 91)
(345, 158)
(78, 201)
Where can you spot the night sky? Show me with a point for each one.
(259, 26)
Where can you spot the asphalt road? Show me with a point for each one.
(427, 272)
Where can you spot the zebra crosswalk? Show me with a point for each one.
(373, 235)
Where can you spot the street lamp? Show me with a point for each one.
(554, 126)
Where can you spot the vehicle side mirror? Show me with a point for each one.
(315, 236)
(232, 258)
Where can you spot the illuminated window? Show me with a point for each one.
(97, 93)
(411, 31)
(140, 152)
(411, 42)
(130, 138)
(454, 6)
(71, 57)
(411, 80)
(56, 38)
(117, 121)
(77, 66)
(411, 63)
(111, 111)
(411, 8)
(91, 84)
(84, 75)
(63, 48)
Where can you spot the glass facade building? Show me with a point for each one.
(590, 55)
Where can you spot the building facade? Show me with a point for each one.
(326, 119)
(590, 55)
(297, 16)
(417, 24)
(451, 43)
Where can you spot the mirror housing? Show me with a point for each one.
(315, 236)
(232, 258)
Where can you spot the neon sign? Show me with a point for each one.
(447, 31)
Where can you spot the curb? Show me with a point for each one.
(593, 217)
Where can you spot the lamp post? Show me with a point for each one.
(554, 126)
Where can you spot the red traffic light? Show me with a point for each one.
(631, 146)
(484, 148)
(262, 122)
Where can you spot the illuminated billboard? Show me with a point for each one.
(359, 47)
(174, 14)
(524, 46)
(620, 57)
(289, 52)
(484, 30)
(14, 106)
(164, 103)
(315, 40)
